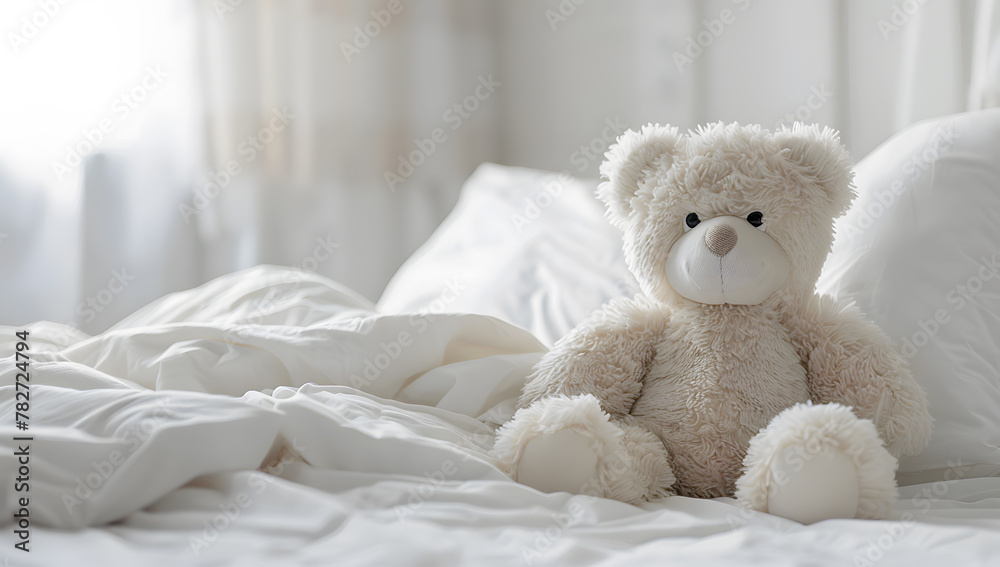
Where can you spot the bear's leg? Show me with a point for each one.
(818, 462)
(569, 444)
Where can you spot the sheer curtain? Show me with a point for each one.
(334, 135)
(99, 140)
(358, 169)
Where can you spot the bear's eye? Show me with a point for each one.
(692, 220)
(755, 218)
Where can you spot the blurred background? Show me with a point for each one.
(147, 147)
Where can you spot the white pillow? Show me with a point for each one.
(918, 252)
(527, 246)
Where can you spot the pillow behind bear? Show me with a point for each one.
(527, 246)
(919, 253)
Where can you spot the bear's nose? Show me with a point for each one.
(720, 239)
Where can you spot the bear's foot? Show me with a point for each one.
(569, 444)
(818, 462)
(564, 461)
(821, 488)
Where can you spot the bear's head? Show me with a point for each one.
(727, 214)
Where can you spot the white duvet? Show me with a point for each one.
(270, 417)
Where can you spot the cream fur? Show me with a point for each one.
(694, 394)
(812, 428)
(632, 466)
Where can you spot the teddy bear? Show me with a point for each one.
(727, 375)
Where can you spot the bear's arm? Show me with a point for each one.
(850, 361)
(607, 356)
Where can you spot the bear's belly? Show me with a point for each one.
(706, 396)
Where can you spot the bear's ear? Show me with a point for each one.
(815, 152)
(628, 162)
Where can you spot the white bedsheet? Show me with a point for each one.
(148, 437)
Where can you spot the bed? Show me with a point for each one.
(275, 417)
